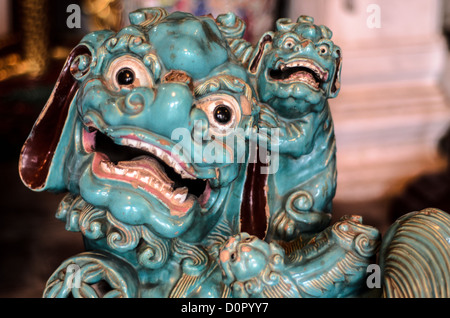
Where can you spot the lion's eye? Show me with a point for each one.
(323, 49)
(128, 72)
(223, 111)
(222, 114)
(125, 77)
(233, 257)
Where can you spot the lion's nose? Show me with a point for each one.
(170, 109)
(177, 76)
(304, 46)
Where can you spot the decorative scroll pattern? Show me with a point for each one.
(233, 28)
(184, 285)
(193, 259)
(415, 256)
(92, 275)
(95, 223)
(148, 16)
(343, 252)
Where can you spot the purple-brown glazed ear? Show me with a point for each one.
(336, 85)
(263, 44)
(39, 148)
(253, 207)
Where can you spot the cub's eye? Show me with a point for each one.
(233, 257)
(289, 43)
(125, 76)
(323, 49)
(222, 114)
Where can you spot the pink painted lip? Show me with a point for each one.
(146, 173)
(178, 160)
(136, 174)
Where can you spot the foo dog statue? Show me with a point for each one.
(197, 165)
(295, 70)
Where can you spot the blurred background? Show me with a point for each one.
(391, 118)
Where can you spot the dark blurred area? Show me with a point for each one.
(428, 190)
(31, 56)
(32, 52)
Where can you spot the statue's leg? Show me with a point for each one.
(93, 275)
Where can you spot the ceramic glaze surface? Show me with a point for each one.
(198, 165)
(295, 70)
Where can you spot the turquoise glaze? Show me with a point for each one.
(254, 268)
(160, 133)
(295, 71)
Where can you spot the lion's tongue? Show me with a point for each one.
(147, 166)
(304, 76)
(142, 170)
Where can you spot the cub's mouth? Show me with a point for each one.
(147, 167)
(299, 71)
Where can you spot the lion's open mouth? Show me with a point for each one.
(303, 71)
(147, 167)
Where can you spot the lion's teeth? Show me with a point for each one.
(132, 174)
(161, 154)
(105, 166)
(180, 194)
(119, 171)
(145, 179)
(149, 172)
(181, 198)
(130, 142)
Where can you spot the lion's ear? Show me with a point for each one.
(336, 84)
(263, 45)
(39, 149)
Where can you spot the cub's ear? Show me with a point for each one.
(336, 84)
(38, 153)
(263, 45)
